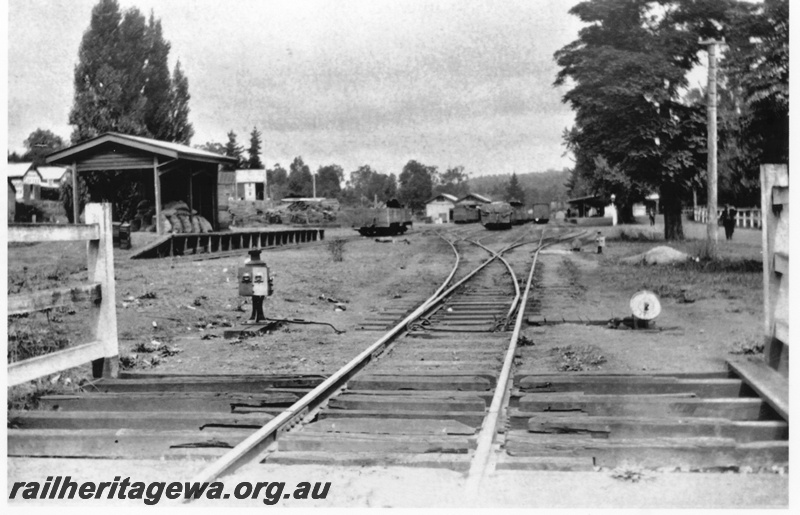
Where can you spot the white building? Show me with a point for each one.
(251, 184)
(15, 173)
(440, 208)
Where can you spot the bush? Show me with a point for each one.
(336, 248)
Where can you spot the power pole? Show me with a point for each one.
(711, 103)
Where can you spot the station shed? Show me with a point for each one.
(440, 208)
(474, 199)
(167, 171)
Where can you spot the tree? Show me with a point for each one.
(329, 181)
(514, 190)
(255, 150)
(122, 80)
(628, 67)
(157, 83)
(299, 181)
(39, 144)
(277, 180)
(416, 184)
(454, 181)
(180, 127)
(233, 149)
(367, 186)
(213, 146)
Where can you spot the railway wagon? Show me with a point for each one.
(382, 221)
(521, 214)
(541, 213)
(466, 214)
(497, 216)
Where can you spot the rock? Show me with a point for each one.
(662, 255)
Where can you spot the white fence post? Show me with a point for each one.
(100, 255)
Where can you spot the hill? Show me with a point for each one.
(545, 186)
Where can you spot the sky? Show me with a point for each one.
(345, 82)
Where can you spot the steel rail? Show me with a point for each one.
(485, 441)
(252, 446)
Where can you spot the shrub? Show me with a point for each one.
(336, 248)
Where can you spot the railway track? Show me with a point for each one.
(441, 388)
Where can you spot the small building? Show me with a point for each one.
(16, 172)
(53, 176)
(166, 171)
(589, 206)
(12, 201)
(251, 184)
(440, 208)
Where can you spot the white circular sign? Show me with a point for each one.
(645, 305)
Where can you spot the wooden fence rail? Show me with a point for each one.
(746, 218)
(103, 351)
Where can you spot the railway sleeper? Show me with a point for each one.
(400, 403)
(433, 381)
(632, 385)
(209, 402)
(390, 426)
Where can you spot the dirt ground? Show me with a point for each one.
(185, 306)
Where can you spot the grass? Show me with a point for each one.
(579, 359)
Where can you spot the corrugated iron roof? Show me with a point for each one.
(154, 146)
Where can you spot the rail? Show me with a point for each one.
(258, 442)
(103, 351)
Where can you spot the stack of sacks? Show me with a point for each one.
(176, 217)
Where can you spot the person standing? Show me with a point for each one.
(728, 218)
(652, 215)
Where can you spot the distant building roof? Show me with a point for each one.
(52, 173)
(154, 146)
(443, 196)
(17, 170)
(475, 196)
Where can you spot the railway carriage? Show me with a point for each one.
(541, 213)
(466, 213)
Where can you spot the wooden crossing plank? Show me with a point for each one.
(734, 408)
(302, 441)
(405, 403)
(405, 426)
(115, 443)
(469, 418)
(210, 384)
(630, 385)
(421, 382)
(555, 463)
(693, 453)
(769, 384)
(652, 427)
(457, 462)
(154, 420)
(175, 402)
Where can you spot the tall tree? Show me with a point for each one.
(157, 83)
(122, 80)
(40, 143)
(329, 181)
(255, 150)
(233, 149)
(299, 182)
(181, 130)
(628, 67)
(514, 190)
(416, 184)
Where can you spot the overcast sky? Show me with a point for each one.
(347, 82)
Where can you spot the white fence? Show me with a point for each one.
(746, 218)
(103, 352)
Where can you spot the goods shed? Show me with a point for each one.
(440, 208)
(166, 172)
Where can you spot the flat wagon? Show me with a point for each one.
(382, 221)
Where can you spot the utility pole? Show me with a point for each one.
(314, 184)
(711, 103)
